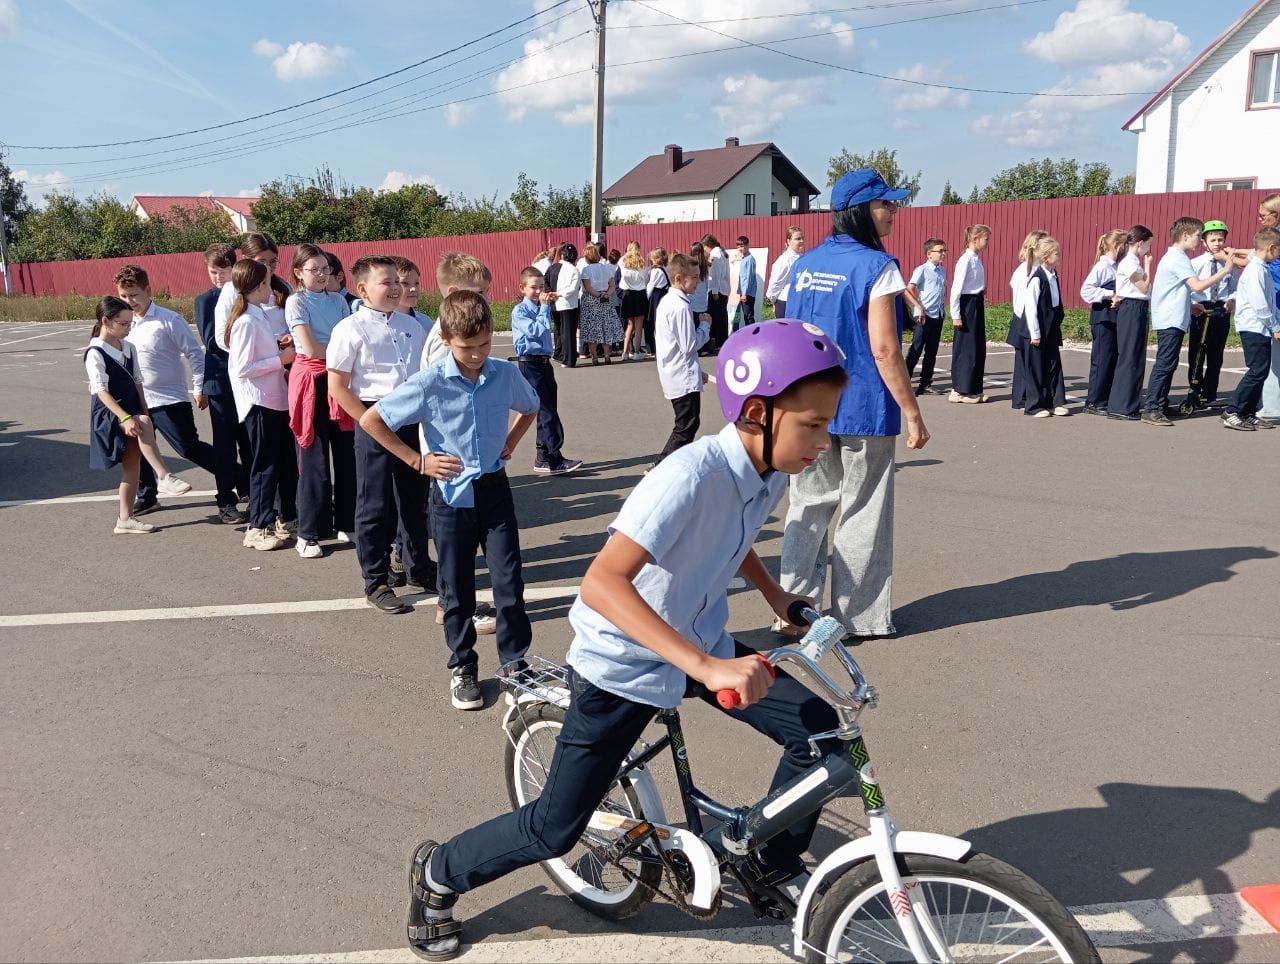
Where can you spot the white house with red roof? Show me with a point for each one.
(1216, 125)
(239, 209)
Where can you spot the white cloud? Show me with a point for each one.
(902, 124)
(560, 50)
(912, 97)
(302, 60)
(1029, 128)
(1107, 32)
(753, 107)
(8, 19)
(398, 179)
(249, 192)
(44, 184)
(456, 115)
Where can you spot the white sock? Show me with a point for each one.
(431, 882)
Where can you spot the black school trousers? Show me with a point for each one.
(1204, 350)
(925, 336)
(600, 728)
(326, 497)
(1133, 321)
(567, 334)
(969, 346)
(273, 473)
(389, 493)
(490, 525)
(1168, 351)
(1102, 355)
(688, 411)
(1257, 360)
(231, 453)
(177, 423)
(539, 373)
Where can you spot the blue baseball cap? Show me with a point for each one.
(858, 187)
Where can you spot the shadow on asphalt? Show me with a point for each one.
(38, 464)
(1143, 843)
(1126, 581)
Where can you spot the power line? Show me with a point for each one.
(870, 73)
(305, 103)
(804, 13)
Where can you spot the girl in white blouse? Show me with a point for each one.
(969, 319)
(779, 286)
(635, 300)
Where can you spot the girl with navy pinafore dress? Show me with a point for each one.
(120, 431)
(1018, 288)
(656, 290)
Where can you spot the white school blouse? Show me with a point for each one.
(253, 362)
(1018, 285)
(635, 279)
(780, 276)
(1031, 301)
(970, 279)
(1103, 273)
(1129, 267)
(95, 365)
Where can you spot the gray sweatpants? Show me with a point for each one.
(851, 482)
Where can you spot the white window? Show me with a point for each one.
(1264, 79)
(1240, 184)
(748, 204)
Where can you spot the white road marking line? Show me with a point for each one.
(531, 593)
(1151, 357)
(1170, 920)
(16, 341)
(72, 499)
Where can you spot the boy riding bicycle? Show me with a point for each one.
(651, 617)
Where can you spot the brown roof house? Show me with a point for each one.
(734, 181)
(239, 209)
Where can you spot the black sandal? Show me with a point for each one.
(423, 932)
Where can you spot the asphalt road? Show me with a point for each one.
(1085, 683)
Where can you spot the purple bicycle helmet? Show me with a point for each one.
(766, 359)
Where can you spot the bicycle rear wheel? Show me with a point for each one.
(981, 909)
(598, 885)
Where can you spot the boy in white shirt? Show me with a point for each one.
(162, 338)
(1258, 326)
(370, 353)
(678, 340)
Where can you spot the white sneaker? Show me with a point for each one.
(309, 549)
(485, 620)
(263, 539)
(131, 526)
(172, 485)
(1041, 413)
(286, 530)
(342, 536)
(954, 396)
(1061, 410)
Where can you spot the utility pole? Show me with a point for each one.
(4, 249)
(597, 170)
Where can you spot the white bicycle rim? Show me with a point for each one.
(535, 771)
(1016, 932)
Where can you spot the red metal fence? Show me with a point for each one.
(1075, 222)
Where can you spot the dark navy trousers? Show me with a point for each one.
(389, 493)
(231, 452)
(1132, 325)
(273, 472)
(1168, 351)
(326, 498)
(542, 377)
(926, 334)
(1257, 360)
(1102, 357)
(177, 423)
(490, 525)
(600, 728)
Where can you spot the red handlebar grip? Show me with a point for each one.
(729, 699)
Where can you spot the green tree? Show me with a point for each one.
(13, 199)
(883, 160)
(1034, 180)
(1123, 185)
(950, 195)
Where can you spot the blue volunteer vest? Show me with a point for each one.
(830, 288)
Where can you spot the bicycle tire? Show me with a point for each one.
(854, 919)
(580, 875)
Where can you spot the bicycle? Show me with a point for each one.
(893, 895)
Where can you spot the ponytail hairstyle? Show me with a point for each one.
(975, 231)
(301, 255)
(1027, 253)
(246, 277)
(698, 251)
(1113, 239)
(255, 243)
(857, 223)
(108, 308)
(1044, 246)
(1137, 234)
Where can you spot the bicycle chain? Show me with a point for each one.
(677, 898)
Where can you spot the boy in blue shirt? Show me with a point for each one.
(746, 282)
(928, 286)
(462, 404)
(1258, 324)
(652, 615)
(1171, 289)
(532, 341)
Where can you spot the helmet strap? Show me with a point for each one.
(768, 433)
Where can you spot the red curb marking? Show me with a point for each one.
(1266, 901)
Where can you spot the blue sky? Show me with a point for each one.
(87, 72)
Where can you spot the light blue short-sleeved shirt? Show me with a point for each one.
(931, 281)
(697, 515)
(460, 417)
(1170, 296)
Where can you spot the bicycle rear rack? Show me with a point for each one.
(540, 680)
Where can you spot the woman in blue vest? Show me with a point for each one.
(850, 288)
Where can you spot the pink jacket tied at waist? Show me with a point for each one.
(302, 401)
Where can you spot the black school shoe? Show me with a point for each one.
(229, 515)
(1157, 418)
(464, 689)
(433, 933)
(426, 585)
(143, 506)
(1094, 410)
(386, 601)
(1121, 417)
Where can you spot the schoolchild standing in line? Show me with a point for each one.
(1269, 217)
(1039, 331)
(969, 320)
(370, 353)
(230, 441)
(1210, 321)
(257, 357)
(680, 335)
(531, 340)
(1133, 318)
(634, 280)
(1175, 281)
(655, 289)
(564, 278)
(462, 405)
(338, 278)
(700, 297)
(778, 289)
(1017, 324)
(1258, 324)
(1098, 292)
(326, 498)
(928, 286)
(747, 282)
(717, 292)
(120, 430)
(259, 247)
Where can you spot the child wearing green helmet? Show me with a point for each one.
(1210, 321)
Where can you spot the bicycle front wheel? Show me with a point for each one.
(597, 885)
(979, 909)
